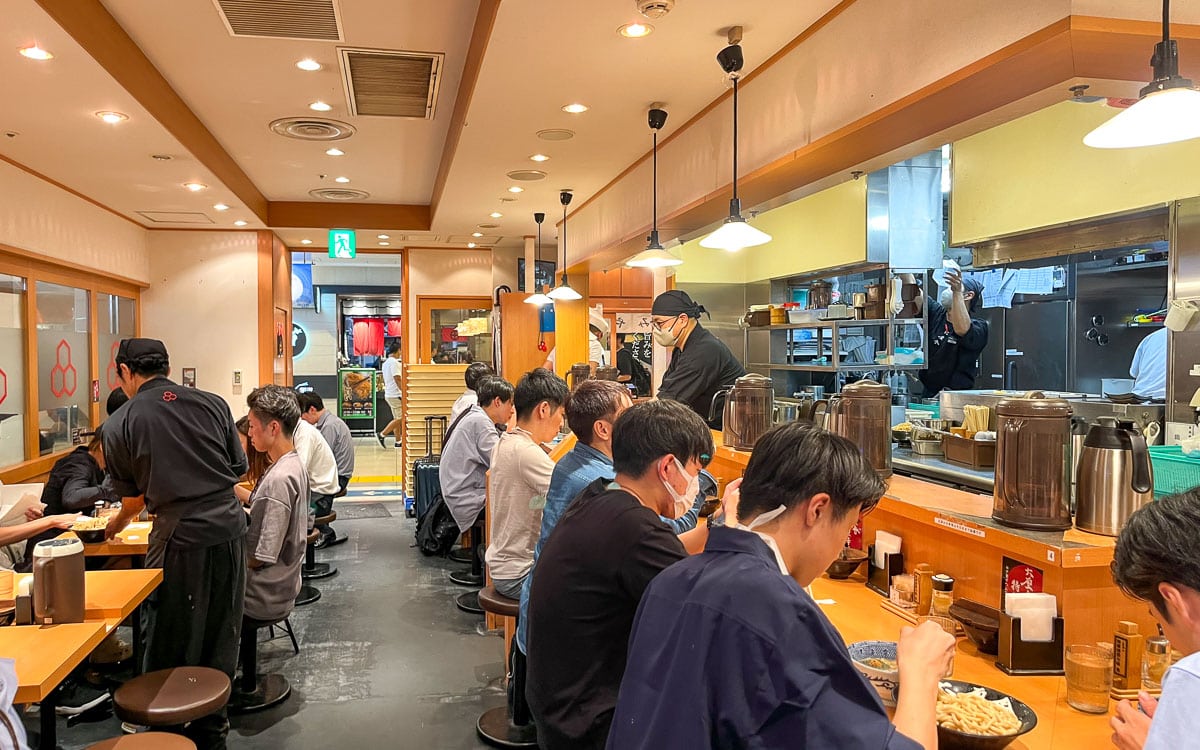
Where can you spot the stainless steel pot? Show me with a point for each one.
(1115, 477)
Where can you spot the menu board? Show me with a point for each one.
(356, 393)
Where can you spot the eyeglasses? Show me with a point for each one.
(663, 325)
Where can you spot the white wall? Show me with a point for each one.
(203, 303)
(449, 273)
(320, 354)
(38, 217)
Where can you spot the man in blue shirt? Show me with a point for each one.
(728, 651)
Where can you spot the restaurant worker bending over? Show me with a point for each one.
(701, 364)
(728, 651)
(956, 336)
(597, 562)
(1155, 561)
(178, 447)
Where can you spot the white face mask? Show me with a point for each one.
(683, 501)
(946, 297)
(765, 518)
(666, 338)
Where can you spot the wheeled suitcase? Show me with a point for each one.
(426, 486)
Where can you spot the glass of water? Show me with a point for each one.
(1089, 677)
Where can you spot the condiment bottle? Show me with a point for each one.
(943, 595)
(1127, 656)
(923, 582)
(1155, 661)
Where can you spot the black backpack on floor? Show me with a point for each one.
(437, 531)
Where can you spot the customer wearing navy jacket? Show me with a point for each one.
(728, 651)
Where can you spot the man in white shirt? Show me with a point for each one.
(1149, 366)
(476, 371)
(597, 334)
(321, 466)
(391, 393)
(341, 443)
(1155, 561)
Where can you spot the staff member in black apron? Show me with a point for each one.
(701, 364)
(178, 448)
(956, 336)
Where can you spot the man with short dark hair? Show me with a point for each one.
(180, 449)
(1155, 560)
(520, 479)
(593, 569)
(728, 651)
(701, 364)
(470, 442)
(471, 377)
(341, 444)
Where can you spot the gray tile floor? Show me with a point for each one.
(386, 660)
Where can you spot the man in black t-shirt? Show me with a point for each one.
(701, 364)
(595, 565)
(956, 336)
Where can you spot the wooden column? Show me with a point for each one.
(570, 334)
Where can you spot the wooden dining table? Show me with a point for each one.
(46, 654)
(133, 541)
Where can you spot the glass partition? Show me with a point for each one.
(12, 370)
(63, 372)
(116, 320)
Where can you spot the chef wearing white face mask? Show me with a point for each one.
(956, 335)
(700, 364)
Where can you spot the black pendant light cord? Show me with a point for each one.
(654, 152)
(564, 273)
(735, 141)
(1166, 20)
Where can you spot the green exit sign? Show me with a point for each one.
(342, 243)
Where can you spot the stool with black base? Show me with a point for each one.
(510, 725)
(254, 691)
(311, 568)
(309, 594)
(171, 697)
(473, 577)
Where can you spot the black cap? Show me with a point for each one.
(135, 349)
(676, 302)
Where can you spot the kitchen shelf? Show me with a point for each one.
(846, 367)
(1144, 325)
(843, 323)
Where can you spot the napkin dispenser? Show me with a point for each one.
(1031, 635)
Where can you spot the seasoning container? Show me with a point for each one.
(902, 593)
(923, 583)
(943, 595)
(1155, 661)
(1128, 645)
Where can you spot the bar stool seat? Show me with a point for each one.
(146, 741)
(510, 725)
(311, 568)
(309, 594)
(169, 697)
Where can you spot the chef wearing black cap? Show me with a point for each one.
(701, 364)
(179, 448)
(956, 335)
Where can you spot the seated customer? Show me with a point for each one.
(475, 372)
(277, 535)
(317, 458)
(728, 651)
(467, 452)
(337, 437)
(521, 472)
(604, 551)
(256, 461)
(1155, 560)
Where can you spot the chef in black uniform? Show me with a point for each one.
(178, 448)
(701, 364)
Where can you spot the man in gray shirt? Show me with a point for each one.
(337, 435)
(467, 453)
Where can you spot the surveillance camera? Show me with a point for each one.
(539, 217)
(657, 118)
(731, 59)
(565, 198)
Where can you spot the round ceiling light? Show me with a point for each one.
(556, 134)
(308, 64)
(312, 129)
(342, 180)
(305, 242)
(635, 30)
(470, 244)
(526, 175)
(34, 52)
(575, 108)
(383, 236)
(239, 223)
(220, 206)
(112, 118)
(195, 187)
(320, 106)
(476, 234)
(334, 152)
(539, 157)
(496, 215)
(385, 243)
(516, 189)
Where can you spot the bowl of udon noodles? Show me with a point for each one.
(90, 530)
(976, 717)
(876, 660)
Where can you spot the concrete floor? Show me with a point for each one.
(386, 660)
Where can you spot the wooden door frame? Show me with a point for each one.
(428, 303)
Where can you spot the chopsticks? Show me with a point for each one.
(976, 418)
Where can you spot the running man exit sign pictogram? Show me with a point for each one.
(342, 243)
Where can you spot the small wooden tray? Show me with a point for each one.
(978, 454)
(910, 615)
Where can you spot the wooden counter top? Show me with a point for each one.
(45, 654)
(856, 613)
(134, 539)
(114, 594)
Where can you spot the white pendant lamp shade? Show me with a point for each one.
(564, 291)
(734, 235)
(1160, 117)
(654, 258)
(537, 298)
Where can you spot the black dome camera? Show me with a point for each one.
(730, 59)
(565, 198)
(657, 118)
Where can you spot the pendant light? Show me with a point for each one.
(1167, 110)
(538, 297)
(564, 291)
(735, 233)
(654, 256)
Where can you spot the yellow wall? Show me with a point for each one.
(824, 230)
(1035, 172)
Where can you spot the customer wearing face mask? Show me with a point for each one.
(729, 651)
(701, 364)
(594, 566)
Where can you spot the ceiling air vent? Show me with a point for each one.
(312, 129)
(282, 19)
(382, 83)
(339, 194)
(175, 217)
(526, 175)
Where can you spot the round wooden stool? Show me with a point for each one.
(309, 594)
(146, 741)
(311, 568)
(170, 697)
(510, 725)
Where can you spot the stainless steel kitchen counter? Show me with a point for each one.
(904, 461)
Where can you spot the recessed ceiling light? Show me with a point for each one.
(385, 244)
(320, 106)
(335, 152)
(515, 189)
(112, 118)
(220, 206)
(34, 52)
(342, 180)
(539, 157)
(308, 64)
(195, 187)
(239, 223)
(305, 242)
(385, 237)
(635, 30)
(495, 214)
(470, 244)
(476, 234)
(575, 109)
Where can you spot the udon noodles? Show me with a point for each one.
(89, 524)
(972, 713)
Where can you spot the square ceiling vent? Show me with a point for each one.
(282, 19)
(176, 217)
(383, 83)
